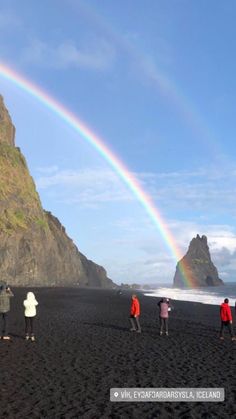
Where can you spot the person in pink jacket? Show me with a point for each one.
(164, 314)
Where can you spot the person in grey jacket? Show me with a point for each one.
(5, 295)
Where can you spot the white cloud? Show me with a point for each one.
(156, 264)
(140, 272)
(220, 236)
(221, 242)
(204, 192)
(88, 187)
(151, 259)
(47, 170)
(224, 257)
(99, 54)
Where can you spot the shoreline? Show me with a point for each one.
(205, 295)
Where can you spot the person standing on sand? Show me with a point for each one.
(226, 319)
(164, 315)
(30, 312)
(134, 314)
(5, 295)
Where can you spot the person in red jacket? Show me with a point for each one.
(226, 319)
(134, 314)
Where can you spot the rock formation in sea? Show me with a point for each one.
(197, 266)
(34, 246)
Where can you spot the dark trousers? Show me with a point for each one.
(4, 324)
(135, 323)
(229, 326)
(29, 326)
(163, 324)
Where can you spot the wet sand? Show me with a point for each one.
(84, 347)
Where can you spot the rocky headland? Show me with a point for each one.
(34, 246)
(197, 265)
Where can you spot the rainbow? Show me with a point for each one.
(84, 131)
(158, 80)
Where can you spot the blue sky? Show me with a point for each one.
(156, 81)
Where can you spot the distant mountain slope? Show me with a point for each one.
(34, 246)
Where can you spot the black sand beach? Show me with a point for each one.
(84, 347)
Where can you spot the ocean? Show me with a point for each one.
(207, 295)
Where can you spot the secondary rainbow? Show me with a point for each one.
(84, 131)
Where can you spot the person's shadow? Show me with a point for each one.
(107, 326)
(15, 335)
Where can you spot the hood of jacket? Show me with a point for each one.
(30, 296)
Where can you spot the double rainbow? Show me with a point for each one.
(84, 131)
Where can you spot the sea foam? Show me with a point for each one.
(213, 295)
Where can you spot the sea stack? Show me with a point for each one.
(198, 267)
(34, 246)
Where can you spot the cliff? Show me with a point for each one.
(197, 265)
(34, 246)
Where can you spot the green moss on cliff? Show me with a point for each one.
(20, 206)
(15, 180)
(10, 220)
(42, 223)
(11, 155)
(200, 261)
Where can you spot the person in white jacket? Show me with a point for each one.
(30, 312)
